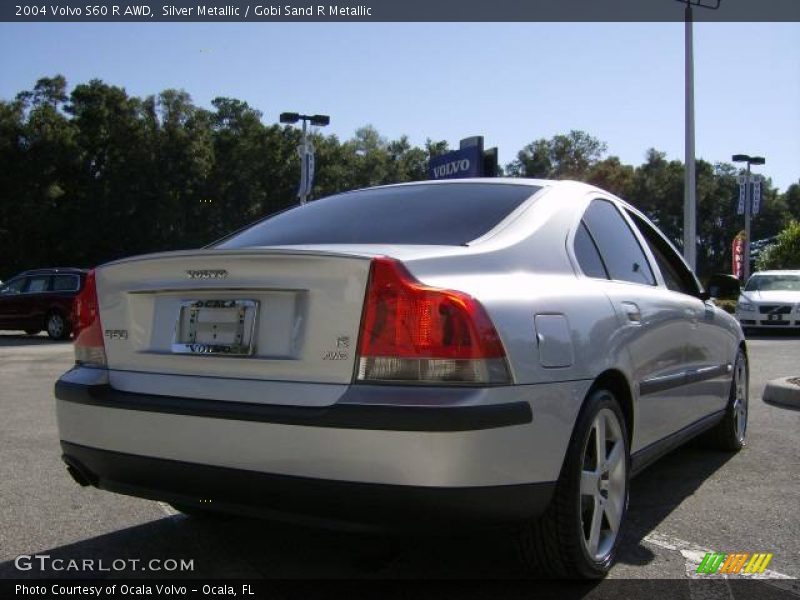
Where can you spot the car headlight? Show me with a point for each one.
(745, 306)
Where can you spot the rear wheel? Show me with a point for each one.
(57, 327)
(730, 433)
(578, 536)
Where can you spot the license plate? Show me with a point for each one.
(216, 327)
(774, 317)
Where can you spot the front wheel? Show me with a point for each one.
(578, 536)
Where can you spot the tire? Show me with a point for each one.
(730, 434)
(32, 331)
(590, 500)
(57, 327)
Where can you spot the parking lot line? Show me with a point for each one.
(167, 509)
(693, 554)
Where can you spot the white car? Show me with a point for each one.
(770, 299)
(438, 354)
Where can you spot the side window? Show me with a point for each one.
(621, 253)
(65, 283)
(37, 284)
(13, 287)
(676, 276)
(587, 254)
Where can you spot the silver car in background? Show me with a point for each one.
(451, 354)
(770, 299)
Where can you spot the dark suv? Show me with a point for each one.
(41, 299)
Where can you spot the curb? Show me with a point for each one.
(784, 392)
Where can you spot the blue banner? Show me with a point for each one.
(467, 162)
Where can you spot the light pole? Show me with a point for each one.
(306, 150)
(690, 186)
(748, 206)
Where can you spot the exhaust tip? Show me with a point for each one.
(82, 476)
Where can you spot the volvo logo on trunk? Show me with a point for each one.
(206, 273)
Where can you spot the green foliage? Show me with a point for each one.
(784, 253)
(792, 198)
(729, 306)
(561, 157)
(95, 174)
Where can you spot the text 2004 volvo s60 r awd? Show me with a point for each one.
(504, 352)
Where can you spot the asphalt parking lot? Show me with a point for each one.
(690, 501)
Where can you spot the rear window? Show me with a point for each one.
(66, 283)
(440, 214)
(37, 284)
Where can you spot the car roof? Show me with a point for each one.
(539, 183)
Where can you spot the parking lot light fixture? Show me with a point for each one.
(748, 206)
(690, 183)
(305, 150)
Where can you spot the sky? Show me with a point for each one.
(510, 82)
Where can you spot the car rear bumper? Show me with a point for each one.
(489, 456)
(343, 415)
(316, 502)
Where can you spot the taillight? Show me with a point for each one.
(89, 347)
(413, 333)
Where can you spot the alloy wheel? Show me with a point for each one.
(603, 485)
(740, 400)
(55, 326)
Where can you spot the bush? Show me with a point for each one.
(784, 253)
(729, 306)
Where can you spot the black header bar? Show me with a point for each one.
(393, 10)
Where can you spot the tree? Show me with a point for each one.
(114, 180)
(569, 156)
(610, 174)
(45, 158)
(792, 199)
(658, 192)
(784, 253)
(96, 174)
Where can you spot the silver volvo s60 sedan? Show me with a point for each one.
(461, 353)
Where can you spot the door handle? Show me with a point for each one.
(632, 312)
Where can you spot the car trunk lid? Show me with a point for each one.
(266, 315)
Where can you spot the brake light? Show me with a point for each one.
(89, 347)
(415, 333)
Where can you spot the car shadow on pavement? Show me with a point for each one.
(229, 547)
(772, 334)
(660, 489)
(21, 339)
